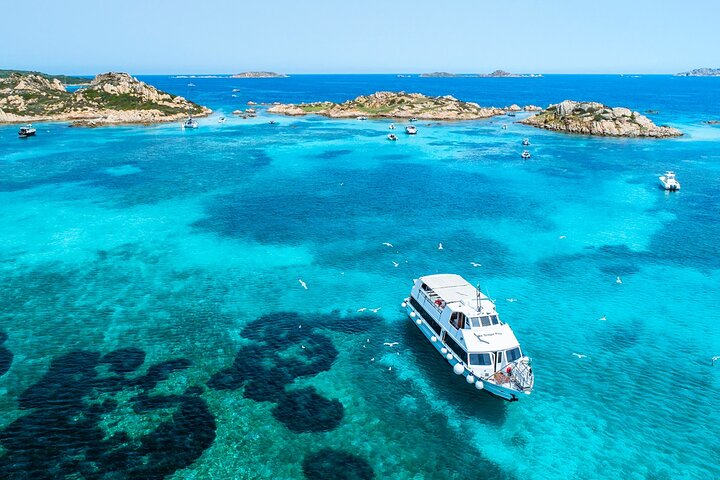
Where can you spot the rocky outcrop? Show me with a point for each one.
(393, 105)
(258, 75)
(700, 72)
(591, 118)
(110, 98)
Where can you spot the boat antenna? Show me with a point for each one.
(479, 299)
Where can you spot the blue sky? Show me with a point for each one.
(366, 36)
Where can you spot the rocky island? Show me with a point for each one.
(700, 72)
(591, 118)
(495, 74)
(64, 79)
(258, 75)
(393, 105)
(110, 98)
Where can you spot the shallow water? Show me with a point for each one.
(182, 251)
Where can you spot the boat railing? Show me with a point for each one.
(430, 301)
(520, 376)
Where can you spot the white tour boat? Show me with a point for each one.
(669, 182)
(464, 327)
(411, 129)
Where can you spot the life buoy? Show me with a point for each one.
(438, 302)
(508, 369)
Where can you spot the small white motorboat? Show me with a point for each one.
(413, 120)
(669, 182)
(362, 117)
(392, 126)
(190, 123)
(411, 129)
(525, 154)
(464, 327)
(526, 142)
(392, 137)
(27, 131)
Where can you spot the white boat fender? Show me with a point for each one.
(458, 369)
(412, 315)
(470, 379)
(449, 356)
(433, 339)
(404, 304)
(479, 385)
(418, 321)
(443, 350)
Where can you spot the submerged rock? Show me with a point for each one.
(592, 118)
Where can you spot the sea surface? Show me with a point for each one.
(153, 322)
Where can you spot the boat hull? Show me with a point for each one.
(429, 333)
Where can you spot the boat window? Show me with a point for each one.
(457, 349)
(499, 357)
(494, 319)
(475, 321)
(485, 321)
(480, 359)
(513, 354)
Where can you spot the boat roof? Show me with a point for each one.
(458, 294)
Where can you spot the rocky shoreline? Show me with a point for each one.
(398, 105)
(109, 99)
(592, 118)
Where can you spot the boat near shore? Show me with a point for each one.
(27, 131)
(190, 123)
(411, 129)
(464, 327)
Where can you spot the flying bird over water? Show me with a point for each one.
(603, 318)
(375, 310)
(579, 355)
(715, 358)
(440, 247)
(303, 284)
(475, 264)
(617, 280)
(511, 300)
(562, 237)
(387, 244)
(362, 309)
(395, 264)
(390, 344)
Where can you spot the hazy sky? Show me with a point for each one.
(370, 36)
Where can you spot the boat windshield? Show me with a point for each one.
(480, 359)
(513, 354)
(484, 321)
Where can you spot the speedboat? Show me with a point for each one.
(525, 154)
(413, 120)
(526, 142)
(461, 323)
(392, 137)
(669, 182)
(26, 131)
(190, 123)
(411, 129)
(222, 120)
(362, 118)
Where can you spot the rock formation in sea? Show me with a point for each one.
(700, 72)
(258, 75)
(393, 105)
(110, 98)
(591, 118)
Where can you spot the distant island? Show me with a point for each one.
(398, 105)
(700, 72)
(109, 98)
(495, 74)
(64, 79)
(591, 118)
(258, 75)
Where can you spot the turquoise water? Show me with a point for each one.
(152, 318)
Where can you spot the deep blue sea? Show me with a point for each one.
(153, 323)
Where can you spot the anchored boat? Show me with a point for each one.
(464, 327)
(392, 137)
(26, 131)
(411, 129)
(669, 182)
(525, 154)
